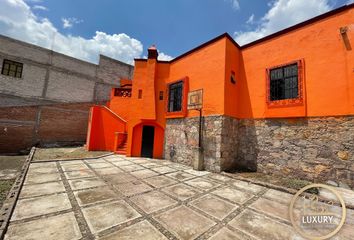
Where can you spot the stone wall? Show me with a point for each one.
(181, 141)
(219, 145)
(308, 148)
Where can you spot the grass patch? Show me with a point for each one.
(5, 186)
(293, 183)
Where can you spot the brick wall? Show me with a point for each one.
(55, 92)
(45, 125)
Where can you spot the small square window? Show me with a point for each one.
(233, 78)
(12, 68)
(140, 94)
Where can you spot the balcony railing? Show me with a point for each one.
(122, 92)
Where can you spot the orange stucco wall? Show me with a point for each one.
(102, 126)
(205, 69)
(327, 72)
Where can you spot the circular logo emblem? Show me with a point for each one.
(315, 219)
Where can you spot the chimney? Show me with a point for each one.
(152, 52)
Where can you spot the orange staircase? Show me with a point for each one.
(121, 141)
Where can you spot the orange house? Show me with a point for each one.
(280, 104)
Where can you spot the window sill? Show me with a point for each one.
(180, 114)
(285, 103)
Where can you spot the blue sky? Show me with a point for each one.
(124, 29)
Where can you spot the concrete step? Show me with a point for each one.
(121, 152)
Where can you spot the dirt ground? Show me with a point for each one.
(9, 167)
(65, 153)
(287, 182)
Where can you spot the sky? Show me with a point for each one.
(124, 29)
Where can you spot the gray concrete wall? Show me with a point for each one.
(52, 79)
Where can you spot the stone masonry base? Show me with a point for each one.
(317, 149)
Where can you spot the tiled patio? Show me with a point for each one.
(116, 197)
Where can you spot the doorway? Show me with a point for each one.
(147, 143)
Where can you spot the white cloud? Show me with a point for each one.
(69, 22)
(18, 21)
(40, 7)
(234, 3)
(34, 1)
(283, 14)
(164, 57)
(350, 2)
(250, 19)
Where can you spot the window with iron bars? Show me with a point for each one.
(12, 68)
(284, 82)
(175, 97)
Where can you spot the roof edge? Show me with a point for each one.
(300, 25)
(276, 34)
(224, 35)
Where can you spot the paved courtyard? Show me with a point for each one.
(116, 197)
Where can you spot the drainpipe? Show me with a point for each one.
(198, 163)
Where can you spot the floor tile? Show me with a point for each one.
(140, 161)
(150, 165)
(71, 162)
(42, 178)
(227, 234)
(197, 173)
(180, 175)
(278, 196)
(250, 187)
(262, 227)
(133, 187)
(184, 222)
(79, 174)
(44, 165)
(76, 167)
(42, 170)
(37, 206)
(233, 194)
(119, 178)
(122, 163)
(272, 208)
(163, 170)
(179, 166)
(103, 216)
(108, 171)
(63, 227)
(181, 191)
(100, 165)
(146, 173)
(141, 230)
(160, 181)
(94, 195)
(219, 178)
(82, 183)
(153, 201)
(214, 206)
(41, 189)
(202, 183)
(93, 161)
(131, 168)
